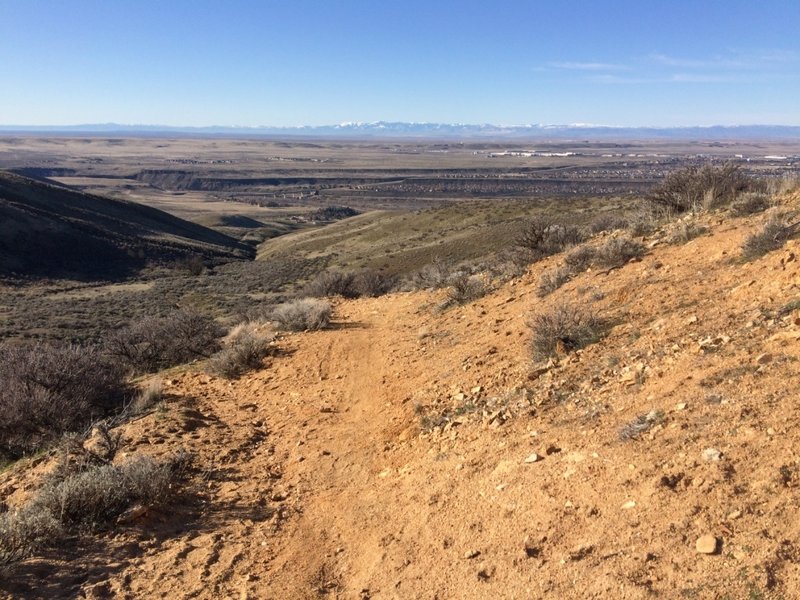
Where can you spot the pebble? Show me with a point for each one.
(711, 454)
(763, 359)
(734, 515)
(472, 554)
(533, 458)
(706, 544)
(628, 505)
(681, 406)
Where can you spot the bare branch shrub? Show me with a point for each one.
(564, 329)
(553, 279)
(607, 222)
(48, 390)
(696, 188)
(331, 283)
(541, 237)
(372, 283)
(616, 252)
(685, 232)
(303, 314)
(433, 276)
(244, 351)
(466, 288)
(581, 258)
(773, 234)
(155, 343)
(750, 203)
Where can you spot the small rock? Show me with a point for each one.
(532, 549)
(706, 544)
(691, 320)
(711, 454)
(733, 515)
(133, 513)
(763, 359)
(485, 572)
(533, 458)
(472, 554)
(628, 505)
(681, 406)
(476, 390)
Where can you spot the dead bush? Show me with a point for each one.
(155, 343)
(773, 234)
(696, 188)
(607, 222)
(372, 283)
(26, 531)
(553, 279)
(466, 288)
(433, 276)
(685, 232)
(46, 390)
(581, 258)
(244, 351)
(750, 203)
(541, 237)
(303, 314)
(331, 283)
(564, 329)
(616, 252)
(149, 395)
(96, 495)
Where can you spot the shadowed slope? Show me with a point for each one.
(51, 231)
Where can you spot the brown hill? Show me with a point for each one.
(51, 231)
(413, 453)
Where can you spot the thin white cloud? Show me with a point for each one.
(588, 66)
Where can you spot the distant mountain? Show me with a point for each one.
(385, 129)
(48, 230)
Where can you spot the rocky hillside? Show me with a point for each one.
(52, 231)
(411, 452)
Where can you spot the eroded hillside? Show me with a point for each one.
(412, 452)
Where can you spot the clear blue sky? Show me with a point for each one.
(295, 62)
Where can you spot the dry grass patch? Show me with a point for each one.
(245, 349)
(304, 314)
(775, 232)
(564, 329)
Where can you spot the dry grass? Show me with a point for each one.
(304, 314)
(245, 349)
(777, 229)
(563, 330)
(616, 252)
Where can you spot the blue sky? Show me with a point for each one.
(295, 62)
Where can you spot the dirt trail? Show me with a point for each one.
(415, 453)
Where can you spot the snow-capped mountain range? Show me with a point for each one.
(400, 129)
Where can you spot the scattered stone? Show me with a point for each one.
(485, 572)
(691, 320)
(733, 515)
(711, 454)
(533, 458)
(706, 544)
(628, 505)
(469, 554)
(580, 552)
(763, 359)
(134, 512)
(476, 390)
(532, 549)
(681, 406)
(550, 449)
